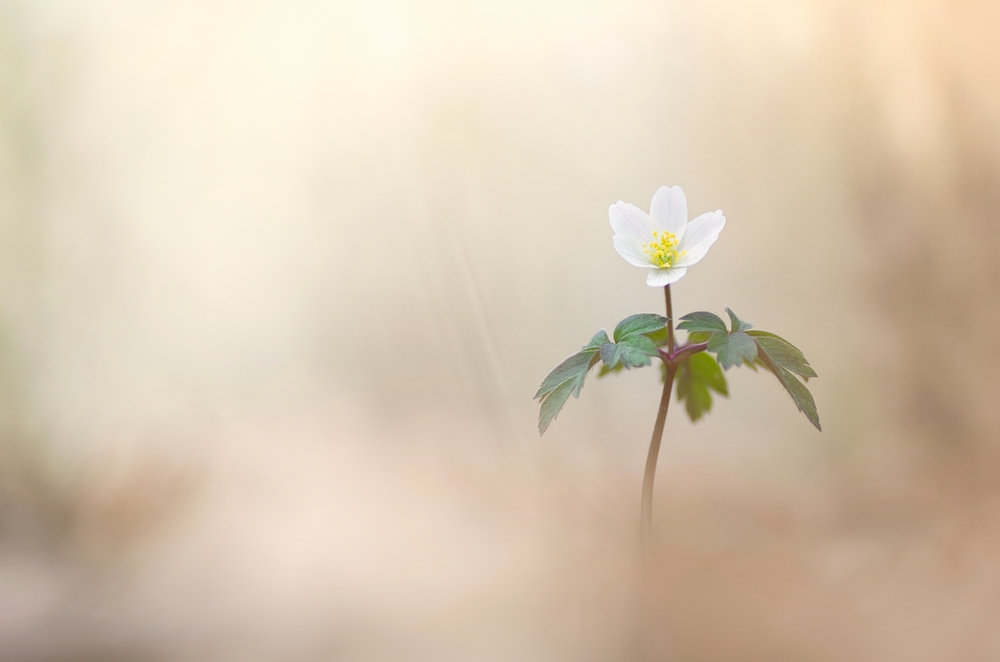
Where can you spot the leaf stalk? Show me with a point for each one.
(682, 353)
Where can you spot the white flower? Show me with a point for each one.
(663, 241)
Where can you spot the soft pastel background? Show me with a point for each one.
(278, 280)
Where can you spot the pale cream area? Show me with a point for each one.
(279, 279)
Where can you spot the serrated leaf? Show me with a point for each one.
(736, 323)
(595, 343)
(553, 402)
(637, 350)
(633, 348)
(607, 370)
(594, 360)
(710, 372)
(609, 354)
(568, 369)
(631, 352)
(698, 336)
(702, 322)
(800, 394)
(639, 324)
(587, 356)
(783, 353)
(697, 376)
(733, 350)
(632, 357)
(567, 379)
(659, 338)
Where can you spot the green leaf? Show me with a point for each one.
(634, 357)
(800, 394)
(607, 370)
(565, 371)
(631, 352)
(632, 349)
(609, 354)
(737, 323)
(595, 343)
(697, 376)
(594, 359)
(699, 336)
(743, 346)
(585, 359)
(783, 353)
(567, 379)
(783, 359)
(642, 323)
(660, 337)
(702, 322)
(553, 402)
(733, 349)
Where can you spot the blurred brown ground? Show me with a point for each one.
(279, 279)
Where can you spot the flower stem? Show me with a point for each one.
(670, 319)
(654, 444)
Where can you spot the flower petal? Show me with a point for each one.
(669, 211)
(699, 236)
(630, 221)
(663, 277)
(630, 248)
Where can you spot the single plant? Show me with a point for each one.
(664, 242)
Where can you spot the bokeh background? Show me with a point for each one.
(278, 281)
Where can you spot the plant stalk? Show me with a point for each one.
(654, 444)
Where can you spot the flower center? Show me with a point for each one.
(663, 249)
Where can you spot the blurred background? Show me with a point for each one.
(278, 281)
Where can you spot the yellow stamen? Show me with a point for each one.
(663, 250)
